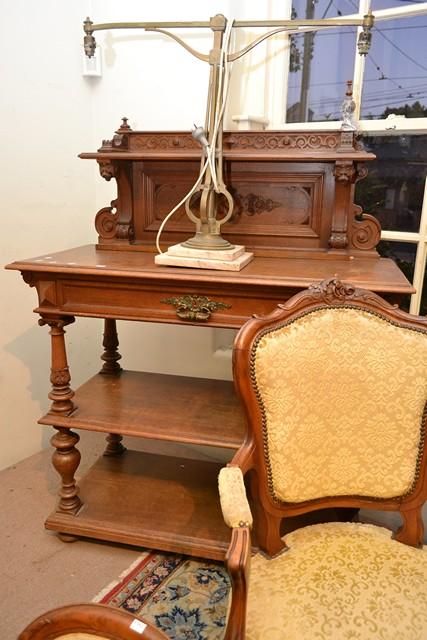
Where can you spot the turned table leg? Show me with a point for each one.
(60, 378)
(111, 367)
(110, 344)
(66, 457)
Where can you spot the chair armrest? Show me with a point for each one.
(238, 516)
(232, 494)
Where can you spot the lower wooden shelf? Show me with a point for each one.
(154, 501)
(153, 405)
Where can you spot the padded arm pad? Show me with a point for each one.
(232, 494)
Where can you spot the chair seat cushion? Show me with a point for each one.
(344, 581)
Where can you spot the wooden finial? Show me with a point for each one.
(124, 126)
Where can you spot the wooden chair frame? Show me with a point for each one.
(97, 619)
(250, 457)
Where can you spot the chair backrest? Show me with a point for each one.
(335, 387)
(89, 622)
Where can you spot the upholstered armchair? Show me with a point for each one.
(89, 622)
(334, 386)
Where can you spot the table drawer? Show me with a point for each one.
(127, 300)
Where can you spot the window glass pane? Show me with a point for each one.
(320, 63)
(403, 253)
(396, 69)
(394, 187)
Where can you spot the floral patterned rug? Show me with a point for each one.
(184, 597)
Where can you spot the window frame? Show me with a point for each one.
(276, 83)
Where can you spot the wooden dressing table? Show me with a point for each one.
(294, 208)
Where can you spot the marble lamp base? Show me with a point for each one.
(225, 260)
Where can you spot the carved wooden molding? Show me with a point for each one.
(345, 171)
(47, 293)
(106, 221)
(361, 171)
(61, 393)
(134, 141)
(338, 240)
(333, 290)
(276, 140)
(250, 204)
(156, 142)
(107, 169)
(55, 321)
(120, 140)
(365, 231)
(109, 225)
(29, 278)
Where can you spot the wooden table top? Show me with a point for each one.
(376, 274)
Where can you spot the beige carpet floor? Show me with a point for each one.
(37, 570)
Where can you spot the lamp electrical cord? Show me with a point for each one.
(210, 150)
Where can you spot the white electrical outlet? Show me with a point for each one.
(93, 66)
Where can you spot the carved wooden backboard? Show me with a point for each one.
(291, 190)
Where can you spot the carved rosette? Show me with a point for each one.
(333, 290)
(365, 232)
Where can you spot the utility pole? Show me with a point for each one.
(306, 65)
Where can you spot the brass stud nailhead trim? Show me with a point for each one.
(263, 413)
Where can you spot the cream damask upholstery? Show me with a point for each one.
(339, 581)
(232, 494)
(343, 393)
(334, 386)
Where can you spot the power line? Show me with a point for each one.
(383, 76)
(413, 91)
(342, 82)
(400, 50)
(370, 98)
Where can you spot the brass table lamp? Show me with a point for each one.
(210, 184)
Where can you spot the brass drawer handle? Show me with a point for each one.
(195, 308)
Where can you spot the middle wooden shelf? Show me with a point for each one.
(157, 406)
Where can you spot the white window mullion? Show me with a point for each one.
(409, 11)
(420, 259)
(419, 271)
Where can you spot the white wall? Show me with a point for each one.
(49, 197)
(46, 196)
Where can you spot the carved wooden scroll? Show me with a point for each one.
(116, 221)
(365, 231)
